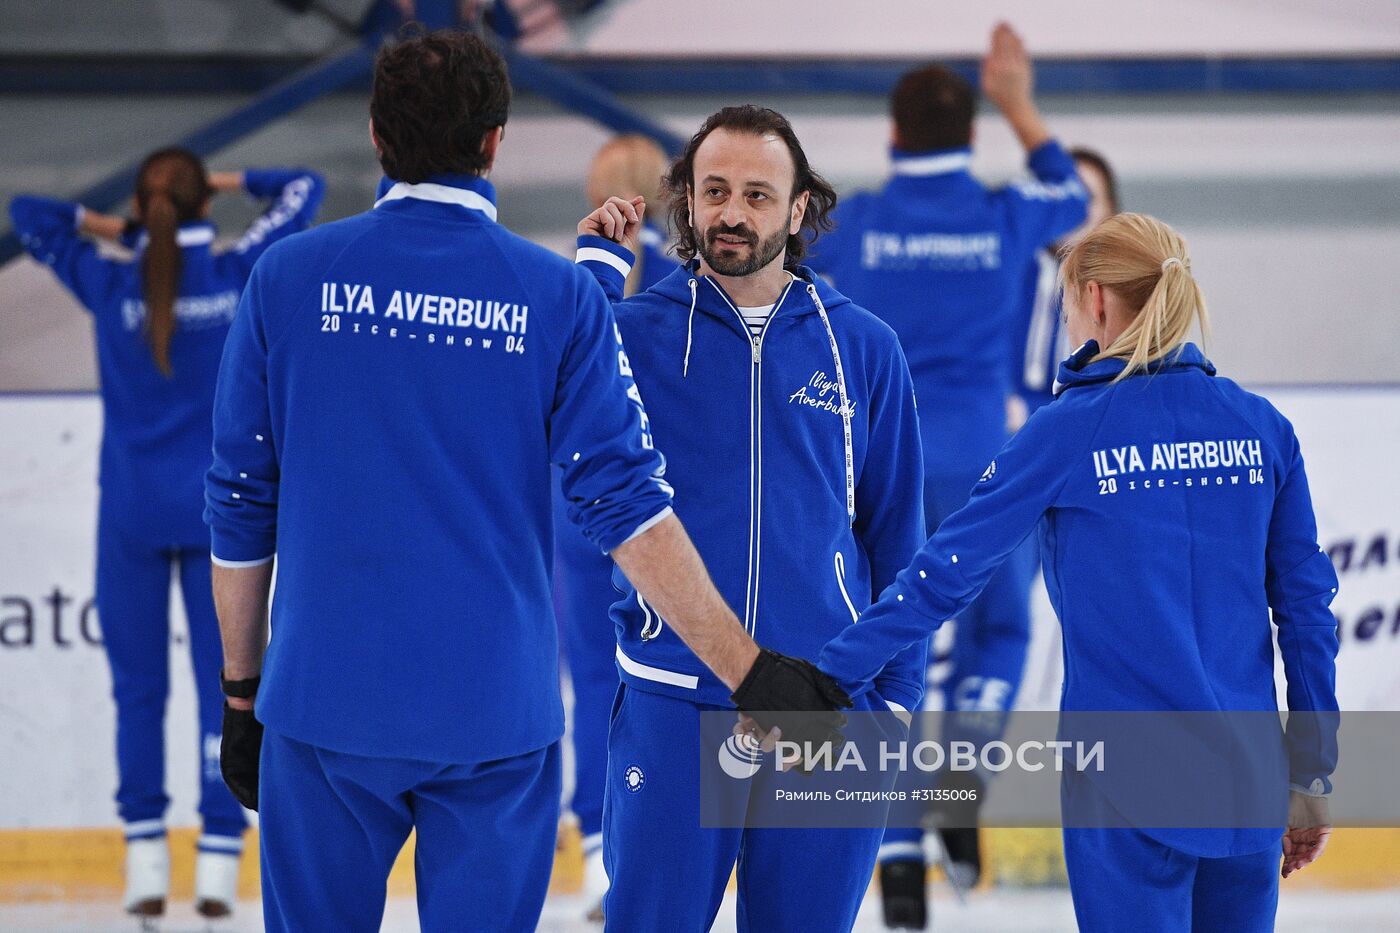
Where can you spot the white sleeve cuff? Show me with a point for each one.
(595, 254)
(903, 714)
(235, 564)
(1316, 789)
(649, 524)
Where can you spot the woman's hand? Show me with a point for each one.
(226, 181)
(1308, 829)
(105, 226)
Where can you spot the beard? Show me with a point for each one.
(734, 260)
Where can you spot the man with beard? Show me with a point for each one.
(786, 416)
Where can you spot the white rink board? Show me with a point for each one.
(57, 721)
(1351, 448)
(56, 717)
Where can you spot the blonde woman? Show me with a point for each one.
(1174, 516)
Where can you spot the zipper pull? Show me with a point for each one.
(757, 352)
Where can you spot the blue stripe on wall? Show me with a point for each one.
(1335, 75)
(1080, 75)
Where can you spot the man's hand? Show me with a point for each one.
(1308, 829)
(618, 220)
(778, 685)
(746, 725)
(1008, 81)
(240, 751)
(240, 598)
(1007, 77)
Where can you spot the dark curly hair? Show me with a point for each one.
(933, 108)
(757, 121)
(1110, 178)
(436, 97)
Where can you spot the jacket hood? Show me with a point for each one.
(1082, 370)
(710, 298)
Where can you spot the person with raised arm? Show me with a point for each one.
(161, 316)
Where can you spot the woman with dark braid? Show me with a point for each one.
(160, 318)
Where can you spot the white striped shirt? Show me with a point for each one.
(756, 318)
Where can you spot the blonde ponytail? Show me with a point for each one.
(1145, 263)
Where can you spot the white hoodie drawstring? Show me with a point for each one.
(845, 407)
(689, 330)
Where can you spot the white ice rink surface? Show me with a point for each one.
(1041, 910)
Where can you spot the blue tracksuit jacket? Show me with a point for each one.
(656, 264)
(1040, 340)
(571, 547)
(941, 258)
(586, 574)
(156, 429)
(1174, 517)
(755, 443)
(394, 389)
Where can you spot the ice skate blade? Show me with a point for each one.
(150, 907)
(213, 909)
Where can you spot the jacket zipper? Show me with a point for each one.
(755, 451)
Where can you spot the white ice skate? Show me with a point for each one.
(215, 883)
(147, 877)
(595, 884)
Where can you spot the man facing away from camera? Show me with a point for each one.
(394, 389)
(941, 258)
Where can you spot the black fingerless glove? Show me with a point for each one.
(239, 754)
(778, 685)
